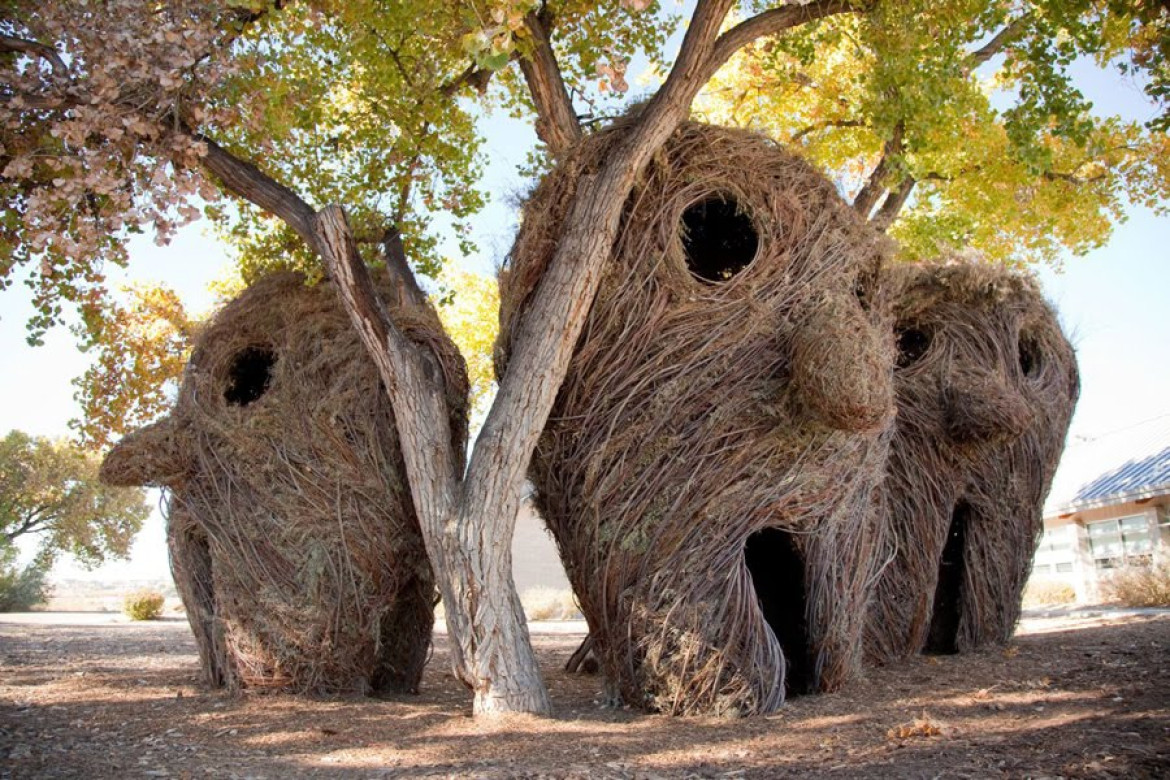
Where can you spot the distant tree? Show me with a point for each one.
(139, 347)
(49, 491)
(469, 310)
(21, 587)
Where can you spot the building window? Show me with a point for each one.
(1064, 568)
(1041, 568)
(1120, 542)
(1055, 541)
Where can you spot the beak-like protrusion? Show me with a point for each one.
(842, 369)
(981, 408)
(147, 456)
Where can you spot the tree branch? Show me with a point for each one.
(245, 180)
(774, 21)
(29, 524)
(875, 186)
(799, 134)
(407, 291)
(1072, 178)
(474, 77)
(541, 355)
(556, 122)
(997, 44)
(33, 49)
(893, 204)
(411, 375)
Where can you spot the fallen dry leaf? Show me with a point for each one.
(924, 726)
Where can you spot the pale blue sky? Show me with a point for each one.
(1112, 302)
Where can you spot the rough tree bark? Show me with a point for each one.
(468, 519)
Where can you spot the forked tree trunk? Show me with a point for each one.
(468, 523)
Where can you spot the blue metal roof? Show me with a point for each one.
(1123, 465)
(1138, 478)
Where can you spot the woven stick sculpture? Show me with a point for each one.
(293, 541)
(709, 462)
(985, 383)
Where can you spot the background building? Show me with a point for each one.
(1109, 507)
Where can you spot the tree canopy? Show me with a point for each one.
(962, 129)
(49, 491)
(112, 116)
(965, 129)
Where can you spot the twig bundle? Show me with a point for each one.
(293, 540)
(708, 464)
(986, 383)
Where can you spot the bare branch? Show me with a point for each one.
(556, 122)
(33, 522)
(245, 180)
(997, 44)
(33, 49)
(1072, 178)
(565, 293)
(932, 176)
(476, 78)
(412, 377)
(407, 291)
(695, 65)
(245, 16)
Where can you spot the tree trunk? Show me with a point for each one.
(467, 533)
(582, 658)
(487, 627)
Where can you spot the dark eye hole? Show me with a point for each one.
(718, 238)
(863, 290)
(1029, 351)
(249, 376)
(913, 342)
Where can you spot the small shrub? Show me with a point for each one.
(21, 589)
(549, 604)
(1139, 586)
(1043, 593)
(143, 605)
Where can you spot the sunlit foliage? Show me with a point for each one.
(972, 105)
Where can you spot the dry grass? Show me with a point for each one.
(143, 605)
(544, 603)
(1139, 586)
(1041, 593)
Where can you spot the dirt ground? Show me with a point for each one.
(1081, 696)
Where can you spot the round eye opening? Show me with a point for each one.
(719, 239)
(863, 290)
(1029, 353)
(913, 343)
(249, 376)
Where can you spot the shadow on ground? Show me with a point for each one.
(1073, 697)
